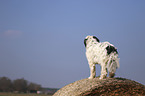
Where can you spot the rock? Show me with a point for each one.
(105, 87)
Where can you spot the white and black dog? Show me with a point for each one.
(102, 53)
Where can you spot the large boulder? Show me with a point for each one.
(105, 87)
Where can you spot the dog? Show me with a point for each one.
(102, 53)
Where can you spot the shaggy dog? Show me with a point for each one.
(102, 53)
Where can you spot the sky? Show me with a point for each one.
(42, 41)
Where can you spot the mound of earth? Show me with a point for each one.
(105, 87)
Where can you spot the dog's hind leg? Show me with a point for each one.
(92, 71)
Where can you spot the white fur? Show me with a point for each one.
(96, 53)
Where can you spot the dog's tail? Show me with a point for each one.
(113, 62)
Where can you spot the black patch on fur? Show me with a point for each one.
(111, 49)
(96, 38)
(85, 42)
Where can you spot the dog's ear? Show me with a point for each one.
(85, 40)
(96, 38)
(111, 49)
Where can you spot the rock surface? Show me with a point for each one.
(105, 87)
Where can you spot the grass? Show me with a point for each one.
(21, 94)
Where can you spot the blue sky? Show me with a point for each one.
(42, 40)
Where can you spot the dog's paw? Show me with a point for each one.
(102, 77)
(111, 75)
(90, 77)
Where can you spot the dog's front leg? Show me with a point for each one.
(92, 71)
(103, 72)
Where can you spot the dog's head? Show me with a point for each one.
(89, 39)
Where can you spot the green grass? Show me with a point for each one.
(21, 94)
